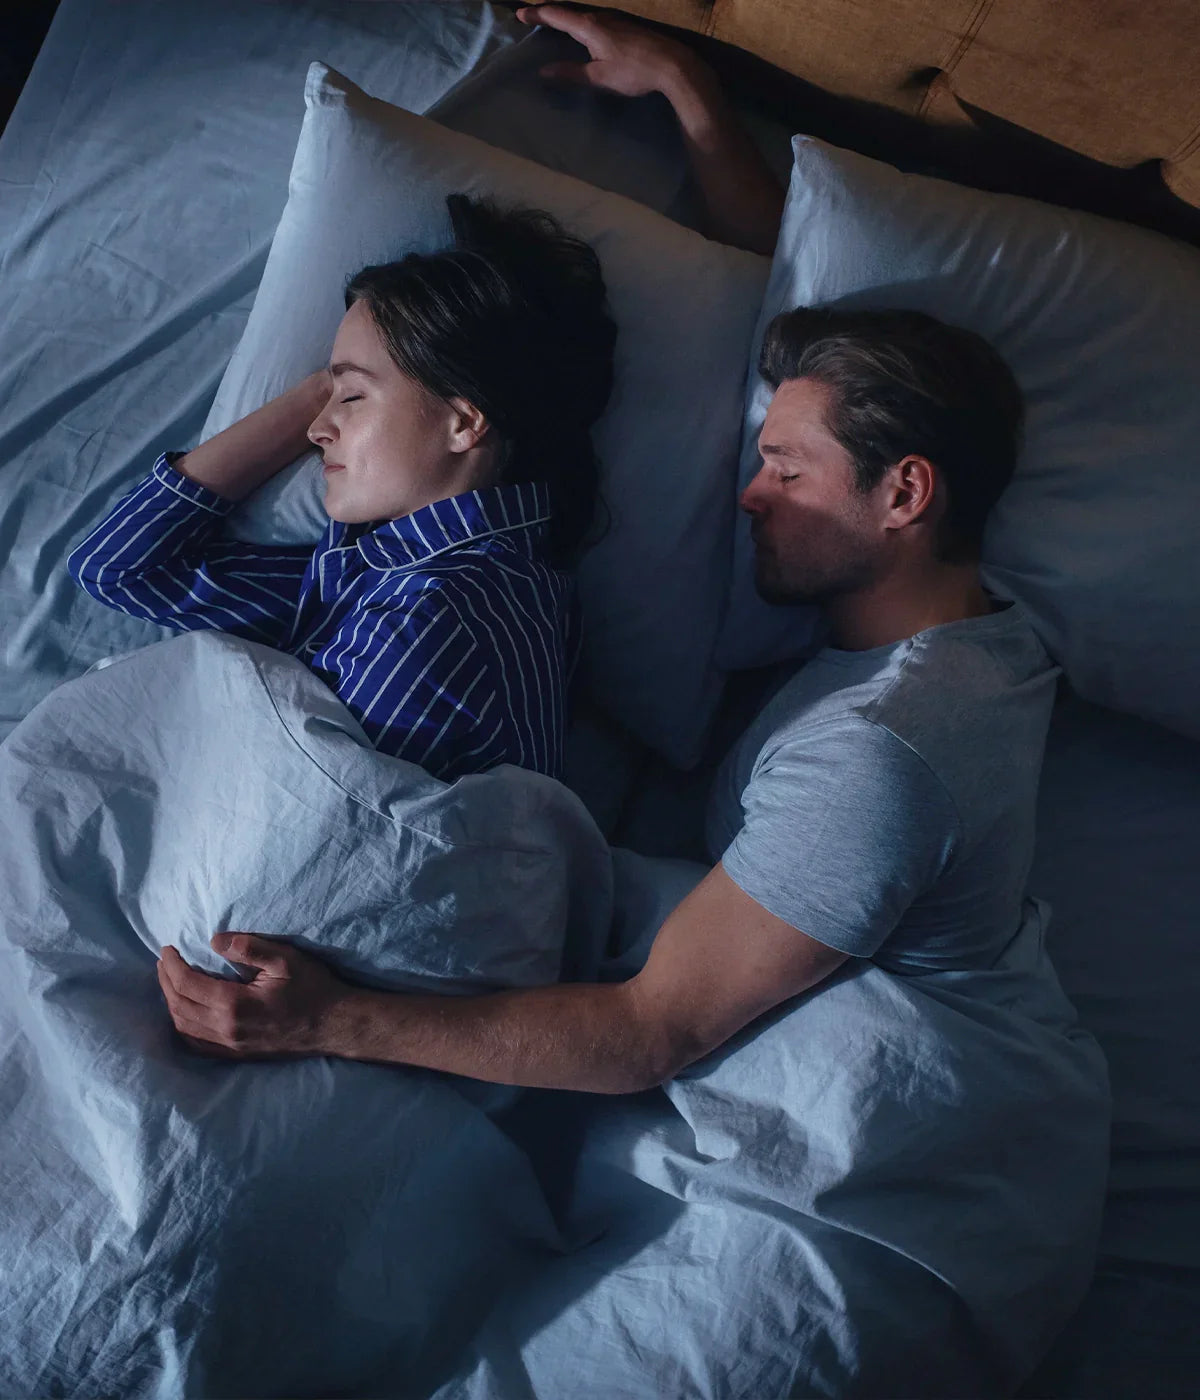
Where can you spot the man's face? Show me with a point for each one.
(383, 436)
(816, 535)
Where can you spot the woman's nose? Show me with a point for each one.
(320, 430)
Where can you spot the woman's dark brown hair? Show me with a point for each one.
(513, 318)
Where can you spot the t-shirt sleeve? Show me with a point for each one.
(844, 827)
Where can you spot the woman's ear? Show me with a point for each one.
(468, 425)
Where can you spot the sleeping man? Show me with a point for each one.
(880, 808)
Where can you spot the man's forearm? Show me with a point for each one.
(250, 451)
(582, 1036)
(743, 199)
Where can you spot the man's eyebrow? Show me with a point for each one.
(346, 367)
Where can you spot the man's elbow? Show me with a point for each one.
(664, 1052)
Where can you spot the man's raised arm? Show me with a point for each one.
(719, 961)
(743, 199)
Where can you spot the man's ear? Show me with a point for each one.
(914, 485)
(468, 425)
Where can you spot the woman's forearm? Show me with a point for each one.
(743, 199)
(239, 459)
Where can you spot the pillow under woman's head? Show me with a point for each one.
(369, 185)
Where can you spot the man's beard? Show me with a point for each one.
(816, 584)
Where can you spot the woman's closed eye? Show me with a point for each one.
(351, 398)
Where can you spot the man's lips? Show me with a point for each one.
(334, 467)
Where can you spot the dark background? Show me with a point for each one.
(21, 33)
(995, 155)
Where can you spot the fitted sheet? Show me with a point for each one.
(142, 174)
(1118, 813)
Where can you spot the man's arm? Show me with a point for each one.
(719, 961)
(743, 200)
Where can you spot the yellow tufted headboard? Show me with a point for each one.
(1116, 80)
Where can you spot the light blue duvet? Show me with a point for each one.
(892, 1186)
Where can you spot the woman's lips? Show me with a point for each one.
(334, 467)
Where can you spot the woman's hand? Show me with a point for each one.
(289, 1008)
(626, 58)
(241, 457)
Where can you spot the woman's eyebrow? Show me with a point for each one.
(346, 367)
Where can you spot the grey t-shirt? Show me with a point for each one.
(883, 801)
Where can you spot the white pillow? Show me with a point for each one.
(1099, 533)
(368, 184)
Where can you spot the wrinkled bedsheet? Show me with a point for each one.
(171, 1225)
(893, 1186)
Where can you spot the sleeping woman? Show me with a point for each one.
(460, 481)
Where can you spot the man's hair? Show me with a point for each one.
(513, 318)
(904, 383)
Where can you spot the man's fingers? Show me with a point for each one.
(251, 951)
(579, 25)
(189, 982)
(193, 1017)
(575, 74)
(170, 990)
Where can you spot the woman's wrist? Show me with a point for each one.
(311, 394)
(241, 457)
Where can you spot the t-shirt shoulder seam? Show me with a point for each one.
(924, 762)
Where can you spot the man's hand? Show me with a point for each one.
(719, 961)
(289, 1008)
(743, 199)
(626, 58)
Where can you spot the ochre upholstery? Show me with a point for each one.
(1117, 80)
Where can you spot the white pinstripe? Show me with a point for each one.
(469, 563)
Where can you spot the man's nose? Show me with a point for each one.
(751, 499)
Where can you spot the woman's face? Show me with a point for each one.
(390, 446)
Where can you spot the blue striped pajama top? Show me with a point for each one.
(445, 632)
